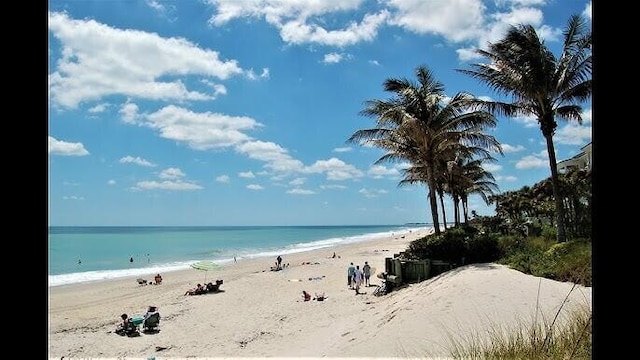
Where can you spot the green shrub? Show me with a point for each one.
(483, 248)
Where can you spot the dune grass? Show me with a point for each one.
(542, 338)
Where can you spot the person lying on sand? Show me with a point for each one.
(199, 289)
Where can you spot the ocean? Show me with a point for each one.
(84, 254)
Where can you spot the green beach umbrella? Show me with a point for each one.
(205, 266)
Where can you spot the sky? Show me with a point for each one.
(229, 112)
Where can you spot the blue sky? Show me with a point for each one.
(228, 112)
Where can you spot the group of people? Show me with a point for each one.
(204, 288)
(356, 276)
(278, 265)
(130, 328)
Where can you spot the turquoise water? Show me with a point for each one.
(80, 254)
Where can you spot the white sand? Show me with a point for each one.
(261, 314)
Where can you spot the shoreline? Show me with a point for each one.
(261, 313)
(98, 275)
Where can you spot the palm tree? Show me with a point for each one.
(521, 65)
(415, 125)
(471, 178)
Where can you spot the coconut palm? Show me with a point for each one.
(416, 126)
(522, 66)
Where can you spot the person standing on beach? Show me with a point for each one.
(350, 271)
(279, 262)
(366, 269)
(357, 278)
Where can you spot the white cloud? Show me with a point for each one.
(111, 182)
(379, 171)
(63, 148)
(491, 167)
(507, 149)
(223, 179)
(534, 161)
(508, 178)
(167, 185)
(372, 193)
(297, 181)
(171, 173)
(587, 11)
(573, 134)
(99, 108)
(456, 20)
(247, 175)
(99, 60)
(295, 19)
(342, 149)
(129, 112)
(73, 197)
(334, 58)
(335, 169)
(298, 191)
(333, 186)
(201, 131)
(276, 158)
(254, 187)
(251, 75)
(136, 160)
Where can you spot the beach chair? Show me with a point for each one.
(151, 324)
(214, 288)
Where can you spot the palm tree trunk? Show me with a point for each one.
(444, 214)
(433, 202)
(561, 235)
(465, 209)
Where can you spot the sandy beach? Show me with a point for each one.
(261, 313)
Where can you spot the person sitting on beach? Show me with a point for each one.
(151, 311)
(126, 327)
(201, 289)
(320, 296)
(194, 291)
(306, 296)
(158, 279)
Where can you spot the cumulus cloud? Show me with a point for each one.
(223, 179)
(534, 161)
(63, 148)
(507, 148)
(200, 131)
(136, 160)
(379, 171)
(246, 174)
(335, 169)
(372, 193)
(99, 60)
(171, 173)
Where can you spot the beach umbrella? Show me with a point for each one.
(205, 266)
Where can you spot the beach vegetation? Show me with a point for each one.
(550, 88)
(547, 339)
(434, 134)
